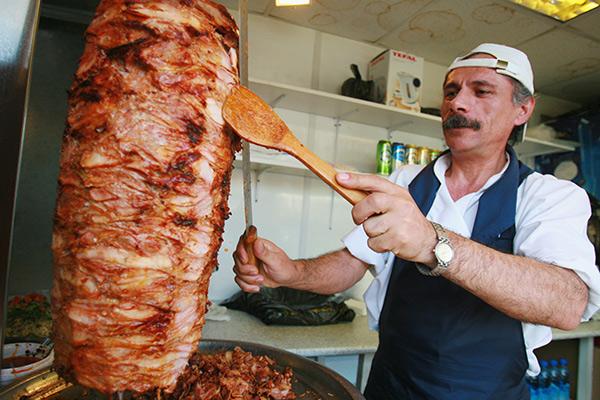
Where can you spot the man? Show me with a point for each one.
(475, 255)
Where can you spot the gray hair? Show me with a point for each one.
(520, 95)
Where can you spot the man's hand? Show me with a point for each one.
(276, 268)
(391, 218)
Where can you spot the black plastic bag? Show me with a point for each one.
(285, 306)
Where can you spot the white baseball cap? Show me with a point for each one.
(508, 61)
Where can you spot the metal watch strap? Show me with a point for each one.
(441, 266)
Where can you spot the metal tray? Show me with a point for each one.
(312, 381)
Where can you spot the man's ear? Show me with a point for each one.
(525, 111)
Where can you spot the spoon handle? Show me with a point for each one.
(327, 173)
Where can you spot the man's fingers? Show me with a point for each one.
(246, 269)
(246, 287)
(252, 279)
(366, 182)
(378, 244)
(266, 251)
(375, 203)
(240, 251)
(376, 225)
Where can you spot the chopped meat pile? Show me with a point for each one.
(232, 375)
(144, 178)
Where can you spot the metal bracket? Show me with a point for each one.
(276, 101)
(396, 127)
(259, 171)
(344, 115)
(337, 124)
(399, 125)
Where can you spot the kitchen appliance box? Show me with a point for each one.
(398, 79)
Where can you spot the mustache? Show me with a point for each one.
(458, 121)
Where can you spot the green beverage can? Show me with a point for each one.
(434, 154)
(384, 157)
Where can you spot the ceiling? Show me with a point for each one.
(565, 56)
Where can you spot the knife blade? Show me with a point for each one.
(250, 234)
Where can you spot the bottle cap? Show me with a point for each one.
(544, 363)
(554, 363)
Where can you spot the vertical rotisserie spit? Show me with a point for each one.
(144, 180)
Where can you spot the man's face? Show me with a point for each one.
(478, 113)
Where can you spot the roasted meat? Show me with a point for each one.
(235, 374)
(144, 179)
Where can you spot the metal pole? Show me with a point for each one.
(18, 25)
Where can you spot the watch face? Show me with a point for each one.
(444, 252)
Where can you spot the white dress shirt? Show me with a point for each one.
(551, 226)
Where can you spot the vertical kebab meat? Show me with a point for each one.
(144, 179)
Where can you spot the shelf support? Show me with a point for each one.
(258, 171)
(337, 124)
(344, 115)
(399, 125)
(276, 101)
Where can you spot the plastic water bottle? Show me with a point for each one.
(563, 373)
(532, 383)
(544, 382)
(555, 389)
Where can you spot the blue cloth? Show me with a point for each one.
(439, 341)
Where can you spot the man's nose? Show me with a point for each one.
(461, 102)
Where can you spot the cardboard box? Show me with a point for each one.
(398, 79)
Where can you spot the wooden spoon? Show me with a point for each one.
(253, 120)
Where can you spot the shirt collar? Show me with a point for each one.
(443, 163)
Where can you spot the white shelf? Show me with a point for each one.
(346, 108)
(365, 112)
(536, 147)
(262, 160)
(354, 110)
(270, 158)
(274, 161)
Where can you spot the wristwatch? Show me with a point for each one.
(443, 251)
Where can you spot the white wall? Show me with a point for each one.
(295, 211)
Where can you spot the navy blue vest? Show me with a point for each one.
(437, 340)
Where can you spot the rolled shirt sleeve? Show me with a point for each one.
(551, 227)
(381, 268)
(552, 219)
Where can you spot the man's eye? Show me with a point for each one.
(483, 92)
(450, 94)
